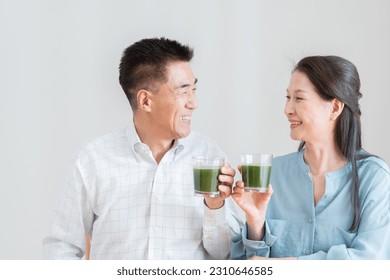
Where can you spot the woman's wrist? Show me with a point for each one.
(255, 228)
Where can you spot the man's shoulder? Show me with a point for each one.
(199, 143)
(198, 139)
(102, 142)
(197, 136)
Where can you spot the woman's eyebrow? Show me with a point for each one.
(297, 91)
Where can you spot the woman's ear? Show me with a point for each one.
(337, 108)
(144, 100)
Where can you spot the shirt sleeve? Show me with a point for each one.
(372, 240)
(71, 220)
(218, 225)
(243, 248)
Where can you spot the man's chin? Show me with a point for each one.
(183, 134)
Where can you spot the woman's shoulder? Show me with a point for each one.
(288, 158)
(292, 162)
(373, 164)
(374, 177)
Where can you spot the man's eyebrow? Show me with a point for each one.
(188, 85)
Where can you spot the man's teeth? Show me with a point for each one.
(186, 118)
(296, 123)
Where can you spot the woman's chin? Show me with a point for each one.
(295, 137)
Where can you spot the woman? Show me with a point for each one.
(330, 200)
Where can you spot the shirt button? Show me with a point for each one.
(307, 252)
(310, 220)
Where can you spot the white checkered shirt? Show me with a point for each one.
(135, 208)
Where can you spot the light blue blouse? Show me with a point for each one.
(295, 227)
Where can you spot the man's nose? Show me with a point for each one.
(192, 101)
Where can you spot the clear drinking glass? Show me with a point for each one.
(206, 171)
(256, 171)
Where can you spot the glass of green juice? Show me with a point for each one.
(206, 171)
(256, 171)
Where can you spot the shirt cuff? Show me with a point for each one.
(258, 248)
(215, 215)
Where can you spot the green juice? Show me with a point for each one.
(256, 177)
(206, 179)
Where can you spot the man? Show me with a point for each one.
(132, 191)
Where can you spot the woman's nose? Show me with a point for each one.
(288, 108)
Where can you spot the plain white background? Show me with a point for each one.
(59, 82)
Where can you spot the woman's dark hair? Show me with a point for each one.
(143, 64)
(335, 77)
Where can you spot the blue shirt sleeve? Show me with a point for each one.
(243, 248)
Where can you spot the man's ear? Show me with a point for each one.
(144, 100)
(337, 108)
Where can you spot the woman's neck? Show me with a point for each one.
(323, 158)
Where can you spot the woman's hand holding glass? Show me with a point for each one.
(254, 204)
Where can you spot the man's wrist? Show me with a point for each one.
(213, 205)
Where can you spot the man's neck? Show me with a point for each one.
(155, 141)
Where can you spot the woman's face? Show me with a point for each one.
(310, 116)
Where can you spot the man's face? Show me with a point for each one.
(175, 101)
